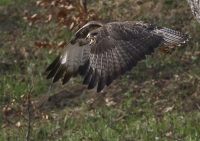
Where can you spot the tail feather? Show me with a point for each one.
(172, 39)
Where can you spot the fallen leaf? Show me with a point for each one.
(167, 109)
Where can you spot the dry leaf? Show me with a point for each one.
(3, 125)
(18, 124)
(168, 133)
(167, 109)
(8, 111)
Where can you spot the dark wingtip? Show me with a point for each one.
(53, 71)
(88, 77)
(67, 77)
(53, 64)
(50, 75)
(84, 68)
(94, 79)
(59, 74)
(101, 85)
(109, 80)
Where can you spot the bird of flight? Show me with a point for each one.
(101, 52)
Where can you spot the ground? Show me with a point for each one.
(157, 100)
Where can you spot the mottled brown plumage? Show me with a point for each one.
(101, 52)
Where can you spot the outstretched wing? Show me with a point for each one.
(120, 45)
(70, 61)
(114, 49)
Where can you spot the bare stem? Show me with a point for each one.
(29, 111)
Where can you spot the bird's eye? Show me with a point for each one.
(94, 34)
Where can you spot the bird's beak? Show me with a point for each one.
(88, 37)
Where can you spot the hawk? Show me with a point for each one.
(101, 52)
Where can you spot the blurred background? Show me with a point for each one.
(157, 100)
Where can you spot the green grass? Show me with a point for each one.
(5, 2)
(113, 124)
(142, 96)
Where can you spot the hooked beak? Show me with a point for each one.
(91, 39)
(88, 37)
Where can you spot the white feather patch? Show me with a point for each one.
(63, 61)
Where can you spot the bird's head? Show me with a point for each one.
(92, 37)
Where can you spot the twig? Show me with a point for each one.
(84, 4)
(29, 112)
(118, 119)
(174, 138)
(45, 100)
(198, 106)
(113, 127)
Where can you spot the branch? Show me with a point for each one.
(84, 4)
(195, 7)
(29, 110)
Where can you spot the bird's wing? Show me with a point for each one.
(83, 31)
(118, 48)
(69, 62)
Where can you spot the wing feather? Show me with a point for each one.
(116, 63)
(95, 75)
(122, 62)
(69, 62)
(129, 61)
(59, 73)
(53, 71)
(53, 64)
(67, 77)
(110, 64)
(103, 76)
(88, 76)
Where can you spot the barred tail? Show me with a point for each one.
(172, 39)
